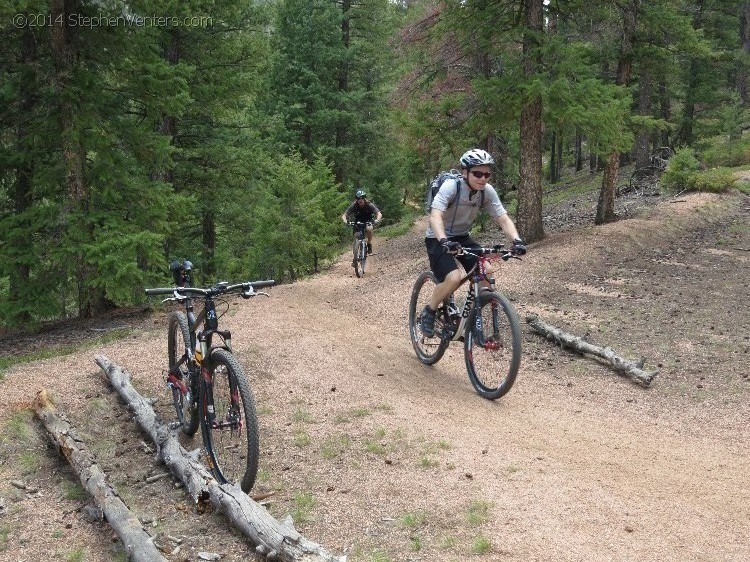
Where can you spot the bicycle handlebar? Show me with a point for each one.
(497, 249)
(247, 289)
(358, 223)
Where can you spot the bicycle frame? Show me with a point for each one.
(203, 338)
(477, 275)
(208, 319)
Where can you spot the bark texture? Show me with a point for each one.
(274, 539)
(632, 369)
(137, 542)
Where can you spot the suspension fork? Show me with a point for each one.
(209, 410)
(478, 326)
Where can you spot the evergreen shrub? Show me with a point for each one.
(715, 180)
(725, 151)
(679, 170)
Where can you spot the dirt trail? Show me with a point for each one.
(383, 458)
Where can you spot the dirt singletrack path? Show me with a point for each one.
(595, 473)
(382, 458)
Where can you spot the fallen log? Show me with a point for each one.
(137, 542)
(632, 369)
(274, 539)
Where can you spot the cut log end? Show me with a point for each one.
(43, 399)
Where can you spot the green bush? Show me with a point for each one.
(715, 180)
(725, 151)
(680, 168)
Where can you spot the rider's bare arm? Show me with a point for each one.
(507, 226)
(436, 223)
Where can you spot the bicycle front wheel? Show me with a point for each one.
(362, 257)
(178, 341)
(428, 350)
(492, 346)
(231, 440)
(360, 254)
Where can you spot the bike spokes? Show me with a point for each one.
(231, 435)
(493, 347)
(428, 350)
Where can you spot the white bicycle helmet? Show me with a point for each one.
(476, 157)
(360, 193)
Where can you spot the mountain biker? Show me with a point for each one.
(449, 230)
(362, 210)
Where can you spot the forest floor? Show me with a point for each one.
(381, 458)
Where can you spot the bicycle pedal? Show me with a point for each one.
(174, 425)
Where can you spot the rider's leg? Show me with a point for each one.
(443, 290)
(368, 234)
(445, 268)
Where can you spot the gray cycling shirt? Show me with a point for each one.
(468, 207)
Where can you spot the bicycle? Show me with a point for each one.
(207, 383)
(359, 246)
(487, 324)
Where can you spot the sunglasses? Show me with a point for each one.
(477, 174)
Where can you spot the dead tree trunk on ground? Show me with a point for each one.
(630, 368)
(274, 539)
(137, 542)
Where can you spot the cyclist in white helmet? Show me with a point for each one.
(452, 215)
(362, 210)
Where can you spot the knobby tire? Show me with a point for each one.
(360, 256)
(178, 339)
(234, 450)
(493, 367)
(429, 350)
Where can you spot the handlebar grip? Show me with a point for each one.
(161, 291)
(262, 284)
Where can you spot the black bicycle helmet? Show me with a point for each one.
(476, 157)
(360, 194)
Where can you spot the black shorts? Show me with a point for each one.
(442, 263)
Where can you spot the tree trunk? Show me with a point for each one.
(343, 86)
(209, 242)
(137, 542)
(578, 151)
(744, 63)
(685, 131)
(605, 210)
(553, 159)
(63, 42)
(593, 160)
(20, 270)
(665, 110)
(529, 220)
(275, 539)
(642, 139)
(168, 125)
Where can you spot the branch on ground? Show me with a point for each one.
(623, 366)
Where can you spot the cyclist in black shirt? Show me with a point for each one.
(362, 210)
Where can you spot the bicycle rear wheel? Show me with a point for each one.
(178, 341)
(428, 350)
(494, 354)
(231, 441)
